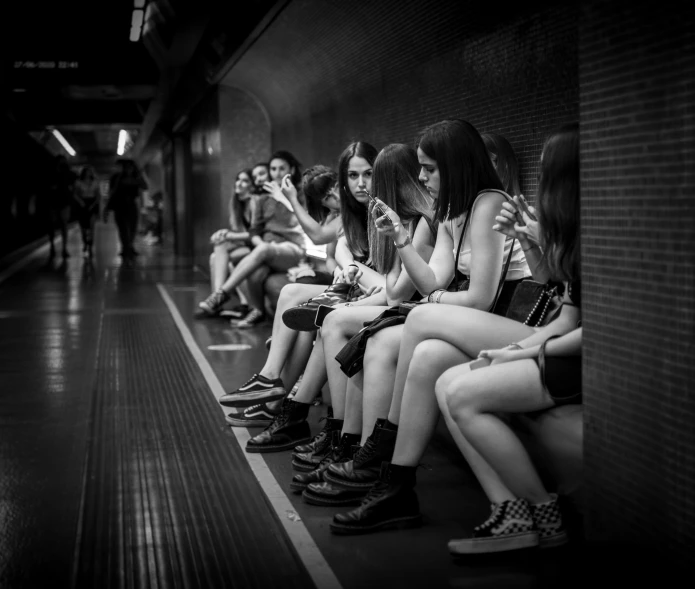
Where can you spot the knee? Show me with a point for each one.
(419, 319)
(452, 393)
(382, 347)
(291, 293)
(335, 322)
(427, 354)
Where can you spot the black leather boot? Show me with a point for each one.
(318, 438)
(390, 504)
(287, 429)
(362, 471)
(308, 461)
(342, 448)
(330, 495)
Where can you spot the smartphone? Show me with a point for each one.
(383, 214)
(479, 363)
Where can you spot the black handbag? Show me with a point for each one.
(534, 304)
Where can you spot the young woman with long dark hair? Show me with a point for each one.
(290, 349)
(538, 372)
(468, 200)
(395, 180)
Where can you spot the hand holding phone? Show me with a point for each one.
(386, 219)
(479, 363)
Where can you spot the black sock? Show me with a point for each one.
(390, 426)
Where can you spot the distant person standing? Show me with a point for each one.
(124, 195)
(86, 196)
(60, 197)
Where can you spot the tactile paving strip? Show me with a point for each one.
(169, 500)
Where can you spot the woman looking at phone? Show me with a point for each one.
(290, 349)
(395, 178)
(475, 191)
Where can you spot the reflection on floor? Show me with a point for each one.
(118, 468)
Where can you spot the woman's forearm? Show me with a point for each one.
(331, 264)
(534, 255)
(564, 324)
(343, 255)
(569, 344)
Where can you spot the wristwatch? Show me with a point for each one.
(402, 245)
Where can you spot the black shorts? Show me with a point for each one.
(562, 377)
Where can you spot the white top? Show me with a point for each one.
(518, 268)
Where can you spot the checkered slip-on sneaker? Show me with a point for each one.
(548, 520)
(257, 389)
(255, 416)
(509, 527)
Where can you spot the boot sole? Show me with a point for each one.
(402, 523)
(301, 467)
(274, 447)
(346, 485)
(244, 423)
(301, 319)
(490, 545)
(322, 502)
(248, 399)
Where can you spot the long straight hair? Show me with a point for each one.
(353, 213)
(396, 183)
(558, 203)
(237, 221)
(504, 160)
(463, 162)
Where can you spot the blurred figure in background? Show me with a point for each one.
(86, 198)
(59, 199)
(124, 195)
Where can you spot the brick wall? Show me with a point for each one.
(330, 72)
(637, 104)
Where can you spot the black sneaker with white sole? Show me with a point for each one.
(258, 389)
(255, 416)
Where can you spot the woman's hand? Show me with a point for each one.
(501, 356)
(369, 292)
(389, 223)
(352, 273)
(288, 188)
(338, 275)
(274, 190)
(218, 237)
(513, 222)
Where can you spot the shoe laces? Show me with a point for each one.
(493, 520)
(365, 452)
(249, 381)
(253, 315)
(281, 418)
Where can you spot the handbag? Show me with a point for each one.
(534, 304)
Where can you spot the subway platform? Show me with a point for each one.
(117, 468)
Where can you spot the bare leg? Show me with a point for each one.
(379, 369)
(418, 410)
(474, 396)
(234, 257)
(298, 358)
(260, 255)
(353, 405)
(284, 338)
(338, 327)
(219, 266)
(489, 480)
(467, 329)
(314, 375)
(253, 288)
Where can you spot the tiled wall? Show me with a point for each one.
(637, 105)
(332, 72)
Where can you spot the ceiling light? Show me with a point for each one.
(19, 89)
(122, 140)
(63, 142)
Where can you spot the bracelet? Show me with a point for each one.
(402, 245)
(355, 265)
(435, 295)
(515, 346)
